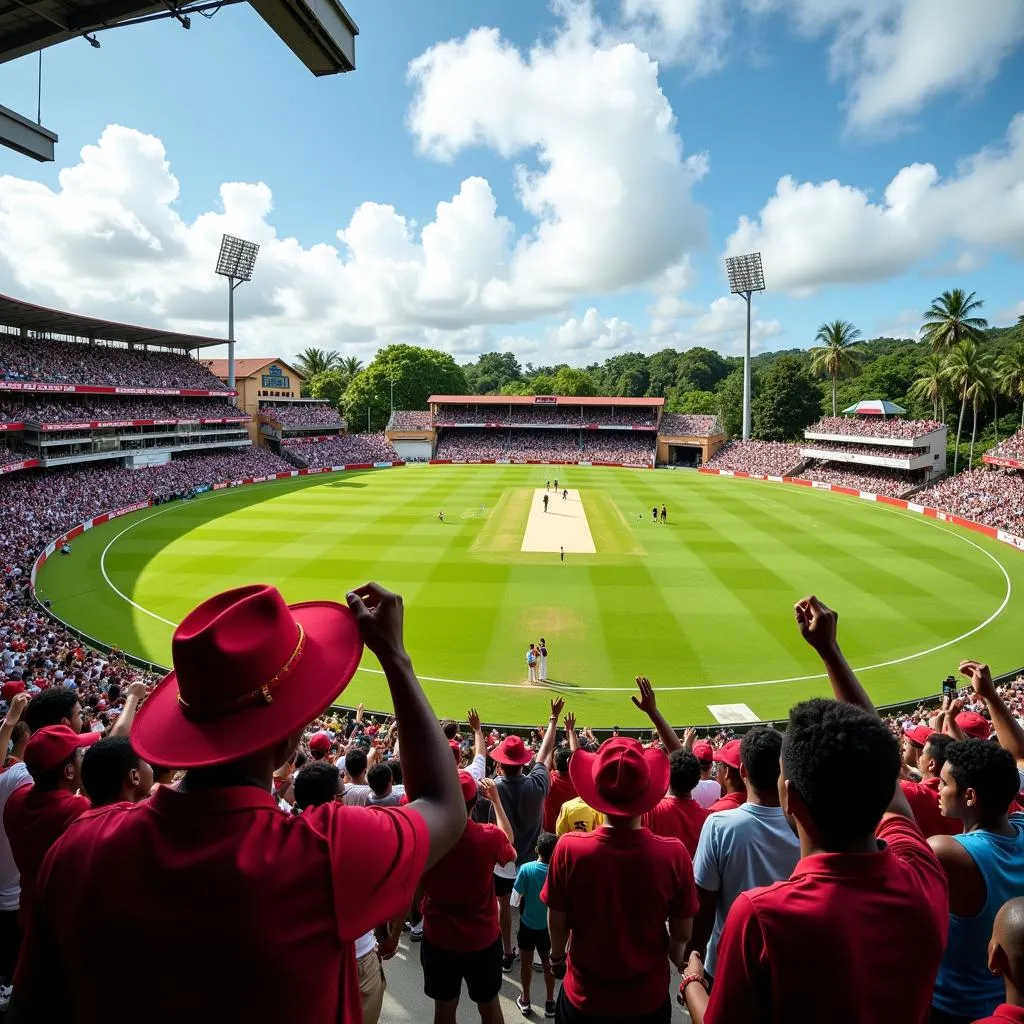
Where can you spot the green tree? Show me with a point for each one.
(329, 385)
(541, 384)
(416, 373)
(951, 319)
(730, 397)
(351, 365)
(788, 399)
(930, 385)
(1010, 374)
(700, 369)
(491, 372)
(980, 390)
(311, 361)
(696, 403)
(838, 355)
(662, 372)
(963, 365)
(515, 387)
(574, 383)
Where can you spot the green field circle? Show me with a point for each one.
(702, 602)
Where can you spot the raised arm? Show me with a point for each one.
(1008, 731)
(570, 731)
(547, 747)
(479, 743)
(647, 702)
(134, 696)
(490, 792)
(950, 726)
(14, 712)
(430, 781)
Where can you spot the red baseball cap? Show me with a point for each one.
(622, 778)
(974, 725)
(456, 750)
(730, 754)
(54, 744)
(12, 688)
(319, 743)
(919, 734)
(468, 784)
(703, 751)
(512, 751)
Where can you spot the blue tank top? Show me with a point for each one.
(965, 987)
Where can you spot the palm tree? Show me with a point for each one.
(979, 390)
(312, 361)
(1010, 374)
(930, 385)
(350, 366)
(838, 354)
(963, 366)
(950, 319)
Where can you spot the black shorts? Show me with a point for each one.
(534, 939)
(566, 1013)
(444, 970)
(503, 886)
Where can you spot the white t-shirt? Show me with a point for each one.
(10, 881)
(740, 850)
(366, 944)
(706, 792)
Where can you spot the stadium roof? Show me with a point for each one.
(245, 367)
(650, 403)
(16, 313)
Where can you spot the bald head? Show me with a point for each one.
(1006, 950)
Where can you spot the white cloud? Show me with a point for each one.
(813, 235)
(592, 333)
(905, 324)
(720, 326)
(1009, 316)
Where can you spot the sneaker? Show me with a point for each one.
(549, 1008)
(524, 1007)
(508, 961)
(416, 932)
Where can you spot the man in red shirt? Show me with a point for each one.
(1006, 957)
(265, 906)
(734, 790)
(679, 815)
(36, 816)
(609, 893)
(461, 933)
(923, 796)
(562, 788)
(856, 934)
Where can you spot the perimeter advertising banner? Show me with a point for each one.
(104, 389)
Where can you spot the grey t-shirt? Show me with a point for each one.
(740, 850)
(522, 796)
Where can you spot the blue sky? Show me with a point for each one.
(757, 91)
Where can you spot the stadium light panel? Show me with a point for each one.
(237, 258)
(745, 273)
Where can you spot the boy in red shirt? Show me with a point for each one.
(679, 815)
(871, 916)
(461, 933)
(923, 796)
(734, 790)
(1006, 957)
(609, 893)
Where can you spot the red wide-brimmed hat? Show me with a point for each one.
(249, 670)
(512, 751)
(622, 778)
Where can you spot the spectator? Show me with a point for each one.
(382, 787)
(522, 797)
(316, 784)
(762, 458)
(113, 773)
(577, 815)
(729, 777)
(319, 745)
(873, 914)
(708, 790)
(562, 788)
(276, 941)
(461, 934)
(357, 790)
(1006, 959)
(678, 815)
(533, 936)
(740, 849)
(14, 776)
(55, 706)
(327, 452)
(618, 947)
(923, 796)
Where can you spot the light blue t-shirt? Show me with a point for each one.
(739, 850)
(529, 882)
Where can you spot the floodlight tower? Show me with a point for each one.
(236, 261)
(746, 276)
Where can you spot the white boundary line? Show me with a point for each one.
(629, 689)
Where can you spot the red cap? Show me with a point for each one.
(730, 754)
(919, 734)
(703, 751)
(972, 724)
(12, 688)
(456, 750)
(468, 784)
(319, 743)
(54, 744)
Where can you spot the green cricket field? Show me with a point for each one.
(702, 604)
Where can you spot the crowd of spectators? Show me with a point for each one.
(877, 451)
(873, 426)
(404, 419)
(303, 414)
(676, 424)
(12, 451)
(547, 415)
(346, 450)
(873, 479)
(1011, 448)
(471, 443)
(989, 496)
(762, 458)
(629, 448)
(71, 362)
(89, 408)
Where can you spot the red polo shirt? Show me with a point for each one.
(680, 818)
(875, 924)
(1004, 1013)
(460, 910)
(34, 820)
(923, 798)
(729, 802)
(561, 791)
(618, 887)
(260, 907)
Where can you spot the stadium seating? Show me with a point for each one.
(302, 414)
(348, 450)
(863, 426)
(524, 445)
(675, 424)
(992, 497)
(873, 479)
(402, 419)
(89, 408)
(874, 450)
(1011, 448)
(761, 458)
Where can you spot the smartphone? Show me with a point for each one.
(949, 687)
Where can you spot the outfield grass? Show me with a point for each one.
(703, 605)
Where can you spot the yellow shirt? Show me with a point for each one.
(576, 816)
